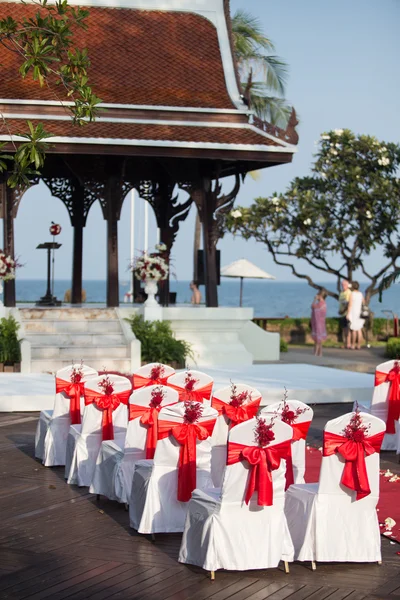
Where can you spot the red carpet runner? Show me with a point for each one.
(389, 502)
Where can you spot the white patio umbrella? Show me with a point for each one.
(244, 269)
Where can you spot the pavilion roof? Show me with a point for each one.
(166, 78)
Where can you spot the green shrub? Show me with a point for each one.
(158, 342)
(283, 346)
(393, 348)
(10, 351)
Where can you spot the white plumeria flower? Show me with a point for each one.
(394, 479)
(368, 214)
(384, 161)
(383, 149)
(390, 523)
(338, 145)
(325, 137)
(388, 473)
(275, 200)
(307, 221)
(338, 131)
(333, 151)
(236, 214)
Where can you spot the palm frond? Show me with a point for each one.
(248, 35)
(269, 108)
(274, 71)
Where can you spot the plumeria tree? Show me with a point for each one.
(333, 219)
(45, 46)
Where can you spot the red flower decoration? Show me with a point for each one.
(237, 399)
(77, 374)
(190, 382)
(156, 372)
(193, 412)
(157, 396)
(106, 386)
(287, 414)
(263, 433)
(355, 430)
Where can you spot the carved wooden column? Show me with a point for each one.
(8, 199)
(111, 193)
(78, 223)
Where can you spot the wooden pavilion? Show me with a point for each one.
(174, 119)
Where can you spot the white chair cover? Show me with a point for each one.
(220, 434)
(115, 465)
(153, 504)
(298, 446)
(142, 377)
(86, 438)
(203, 383)
(379, 408)
(223, 532)
(53, 426)
(325, 520)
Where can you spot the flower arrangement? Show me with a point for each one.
(7, 267)
(237, 399)
(288, 415)
(77, 373)
(157, 396)
(157, 372)
(153, 267)
(263, 433)
(356, 431)
(193, 412)
(190, 382)
(106, 386)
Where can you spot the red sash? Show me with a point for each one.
(393, 377)
(148, 416)
(262, 461)
(300, 431)
(199, 395)
(186, 434)
(107, 404)
(355, 474)
(74, 391)
(139, 381)
(237, 414)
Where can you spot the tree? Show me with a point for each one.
(252, 48)
(333, 219)
(45, 46)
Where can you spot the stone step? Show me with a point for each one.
(67, 314)
(61, 326)
(77, 353)
(121, 365)
(57, 340)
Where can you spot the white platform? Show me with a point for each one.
(308, 383)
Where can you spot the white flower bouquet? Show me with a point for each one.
(7, 267)
(151, 267)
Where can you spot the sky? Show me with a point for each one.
(343, 58)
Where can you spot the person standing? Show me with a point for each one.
(344, 299)
(318, 321)
(196, 294)
(354, 315)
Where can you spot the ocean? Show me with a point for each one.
(268, 298)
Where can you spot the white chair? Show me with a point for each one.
(152, 374)
(115, 464)
(221, 530)
(299, 416)
(380, 403)
(53, 426)
(153, 505)
(326, 521)
(98, 423)
(229, 416)
(192, 385)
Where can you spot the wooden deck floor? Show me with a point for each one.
(57, 542)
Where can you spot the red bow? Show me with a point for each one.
(300, 431)
(74, 391)
(263, 461)
(354, 474)
(139, 381)
(148, 416)
(107, 404)
(393, 377)
(237, 414)
(186, 434)
(199, 395)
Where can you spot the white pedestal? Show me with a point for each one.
(153, 312)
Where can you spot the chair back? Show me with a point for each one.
(332, 466)
(236, 475)
(167, 451)
(62, 399)
(200, 388)
(136, 432)
(380, 394)
(224, 396)
(93, 417)
(305, 416)
(152, 374)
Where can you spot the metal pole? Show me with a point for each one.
(241, 291)
(52, 279)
